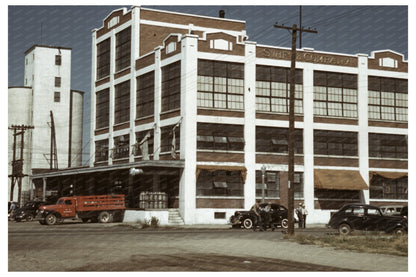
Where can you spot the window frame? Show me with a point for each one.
(123, 49)
(327, 86)
(102, 108)
(171, 86)
(103, 59)
(145, 96)
(122, 102)
(220, 85)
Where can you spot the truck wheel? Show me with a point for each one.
(104, 217)
(248, 223)
(50, 219)
(344, 229)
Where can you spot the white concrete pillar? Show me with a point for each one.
(250, 124)
(92, 96)
(135, 43)
(189, 71)
(363, 123)
(112, 95)
(308, 180)
(158, 104)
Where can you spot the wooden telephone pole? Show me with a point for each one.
(291, 191)
(17, 163)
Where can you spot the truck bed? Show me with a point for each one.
(100, 202)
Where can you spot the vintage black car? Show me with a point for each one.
(246, 219)
(366, 217)
(28, 211)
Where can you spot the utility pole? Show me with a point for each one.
(17, 164)
(291, 191)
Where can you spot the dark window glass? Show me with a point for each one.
(140, 136)
(145, 95)
(122, 102)
(170, 138)
(102, 104)
(335, 143)
(57, 82)
(387, 146)
(276, 140)
(220, 137)
(121, 147)
(103, 59)
(57, 97)
(271, 181)
(58, 59)
(384, 188)
(220, 183)
(123, 49)
(101, 150)
(171, 87)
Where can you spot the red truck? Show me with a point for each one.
(97, 208)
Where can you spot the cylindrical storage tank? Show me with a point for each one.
(20, 110)
(76, 128)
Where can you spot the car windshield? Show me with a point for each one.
(60, 201)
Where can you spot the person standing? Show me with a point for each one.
(304, 214)
(256, 209)
(299, 214)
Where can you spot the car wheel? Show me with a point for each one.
(248, 223)
(29, 217)
(50, 219)
(344, 229)
(285, 223)
(104, 217)
(399, 231)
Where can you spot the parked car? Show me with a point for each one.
(366, 217)
(28, 211)
(391, 210)
(404, 212)
(246, 219)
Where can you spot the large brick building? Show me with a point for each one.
(201, 109)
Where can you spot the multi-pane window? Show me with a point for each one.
(57, 82)
(271, 183)
(387, 146)
(170, 138)
(276, 140)
(335, 94)
(103, 59)
(101, 150)
(144, 137)
(122, 102)
(384, 188)
(171, 87)
(273, 89)
(220, 137)
(121, 147)
(220, 183)
(123, 49)
(387, 98)
(335, 143)
(220, 85)
(145, 96)
(102, 106)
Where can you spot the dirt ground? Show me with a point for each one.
(102, 247)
